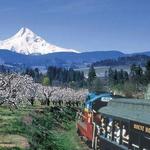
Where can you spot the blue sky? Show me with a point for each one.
(84, 25)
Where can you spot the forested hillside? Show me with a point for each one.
(126, 61)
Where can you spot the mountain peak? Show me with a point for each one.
(27, 42)
(24, 30)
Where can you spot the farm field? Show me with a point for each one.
(100, 71)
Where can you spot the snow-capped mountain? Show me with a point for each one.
(27, 42)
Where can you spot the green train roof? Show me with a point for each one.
(130, 109)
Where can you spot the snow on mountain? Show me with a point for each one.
(27, 42)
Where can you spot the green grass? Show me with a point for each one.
(38, 128)
(70, 139)
(11, 131)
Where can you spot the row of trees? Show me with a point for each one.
(57, 76)
(17, 90)
(117, 77)
(64, 75)
(132, 82)
(136, 75)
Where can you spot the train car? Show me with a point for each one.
(92, 95)
(87, 118)
(98, 101)
(124, 124)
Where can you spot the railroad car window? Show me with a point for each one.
(109, 128)
(103, 127)
(117, 131)
(125, 134)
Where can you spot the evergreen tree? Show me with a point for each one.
(136, 73)
(37, 75)
(147, 72)
(117, 77)
(91, 74)
(64, 76)
(30, 72)
(125, 76)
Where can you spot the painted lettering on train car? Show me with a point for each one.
(141, 127)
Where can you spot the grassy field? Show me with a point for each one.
(11, 131)
(38, 128)
(100, 71)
